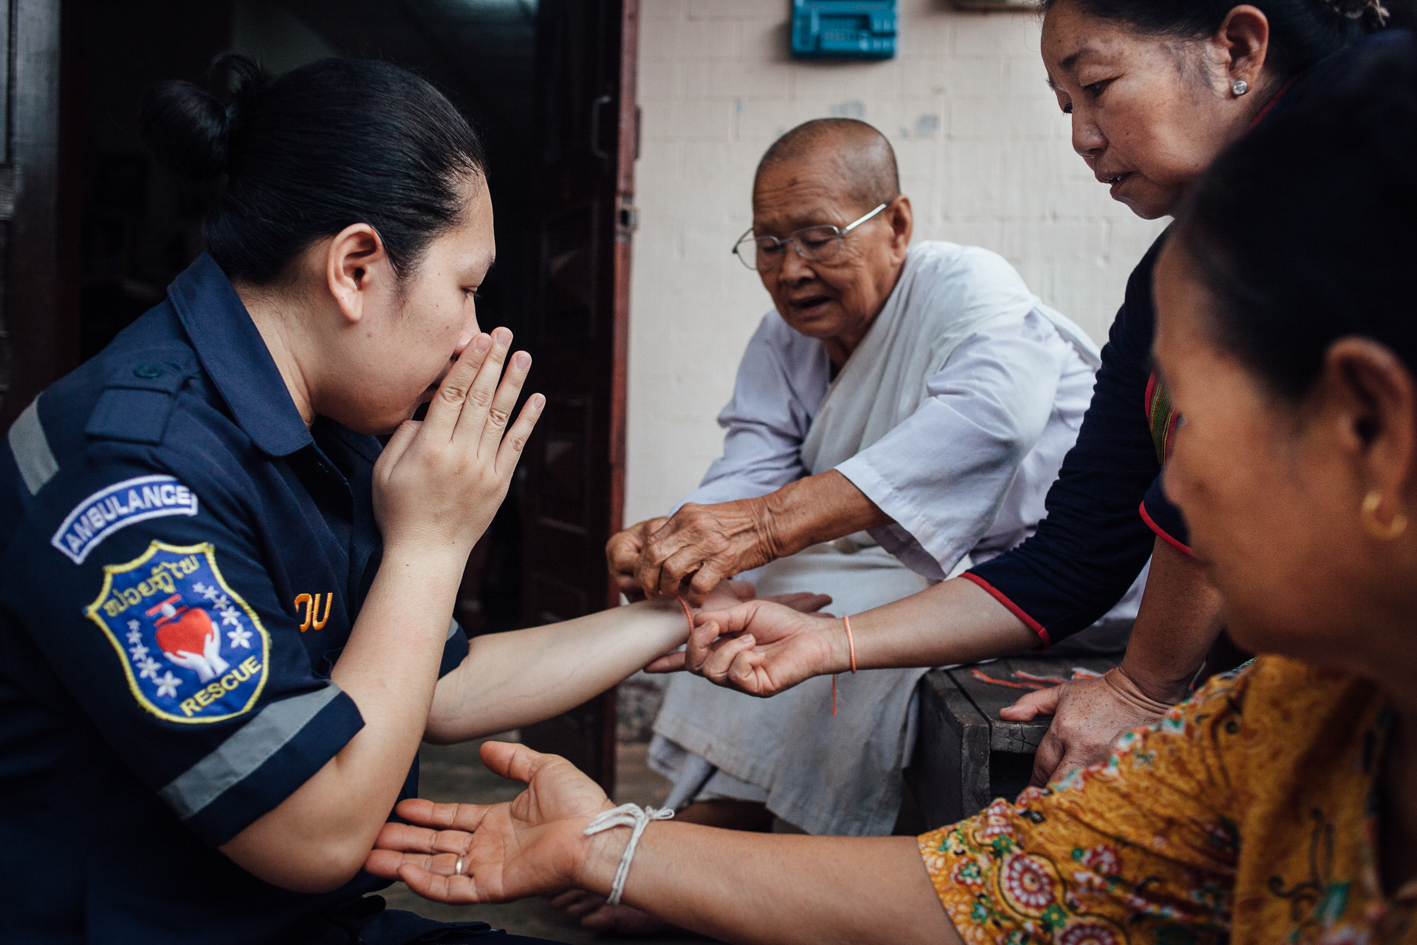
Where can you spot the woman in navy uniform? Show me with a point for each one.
(225, 611)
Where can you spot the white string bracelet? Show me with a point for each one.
(635, 817)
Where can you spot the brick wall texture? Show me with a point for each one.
(984, 156)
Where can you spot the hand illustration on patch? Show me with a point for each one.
(192, 642)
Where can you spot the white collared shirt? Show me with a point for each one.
(967, 473)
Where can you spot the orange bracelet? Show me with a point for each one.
(851, 642)
(688, 614)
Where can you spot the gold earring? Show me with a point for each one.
(1378, 530)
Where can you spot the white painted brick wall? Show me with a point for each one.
(984, 156)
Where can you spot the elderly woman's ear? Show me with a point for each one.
(900, 216)
(1369, 394)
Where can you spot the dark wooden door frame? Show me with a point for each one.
(574, 500)
(39, 324)
(628, 151)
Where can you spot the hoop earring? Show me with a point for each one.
(1239, 87)
(1369, 515)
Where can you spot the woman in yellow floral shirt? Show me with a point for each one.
(1281, 756)
(1277, 806)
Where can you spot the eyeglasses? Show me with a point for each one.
(816, 243)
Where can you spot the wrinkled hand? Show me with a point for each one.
(762, 647)
(528, 847)
(622, 554)
(439, 481)
(1088, 716)
(701, 545)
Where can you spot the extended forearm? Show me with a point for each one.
(1177, 623)
(953, 622)
(318, 837)
(772, 888)
(816, 509)
(513, 679)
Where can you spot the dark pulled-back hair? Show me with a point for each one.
(332, 143)
(1301, 32)
(1303, 230)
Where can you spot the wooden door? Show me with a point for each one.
(574, 501)
(39, 277)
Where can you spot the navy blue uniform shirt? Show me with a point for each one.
(183, 561)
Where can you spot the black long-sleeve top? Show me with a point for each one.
(1107, 507)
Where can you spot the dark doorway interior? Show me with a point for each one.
(141, 226)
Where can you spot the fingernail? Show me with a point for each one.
(481, 343)
(503, 336)
(537, 401)
(522, 360)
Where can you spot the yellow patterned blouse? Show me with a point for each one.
(1248, 815)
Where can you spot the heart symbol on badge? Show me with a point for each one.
(189, 633)
(193, 643)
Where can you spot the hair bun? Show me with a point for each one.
(188, 128)
(1372, 13)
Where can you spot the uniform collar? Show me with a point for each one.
(234, 355)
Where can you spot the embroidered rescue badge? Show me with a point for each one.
(192, 649)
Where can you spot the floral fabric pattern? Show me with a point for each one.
(1247, 816)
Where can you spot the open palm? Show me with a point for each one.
(529, 846)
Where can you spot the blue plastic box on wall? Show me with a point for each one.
(844, 29)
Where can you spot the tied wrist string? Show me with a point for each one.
(851, 643)
(635, 817)
(688, 614)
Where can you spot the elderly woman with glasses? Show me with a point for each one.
(899, 414)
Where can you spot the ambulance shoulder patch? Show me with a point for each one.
(118, 506)
(193, 650)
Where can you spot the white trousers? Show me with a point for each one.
(828, 776)
(825, 775)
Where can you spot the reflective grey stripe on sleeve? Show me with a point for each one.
(31, 448)
(244, 751)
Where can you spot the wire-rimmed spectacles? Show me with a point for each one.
(816, 243)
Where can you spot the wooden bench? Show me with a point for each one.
(965, 755)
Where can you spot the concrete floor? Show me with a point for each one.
(455, 773)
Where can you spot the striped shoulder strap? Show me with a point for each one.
(1161, 417)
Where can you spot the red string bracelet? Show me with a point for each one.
(688, 614)
(851, 642)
